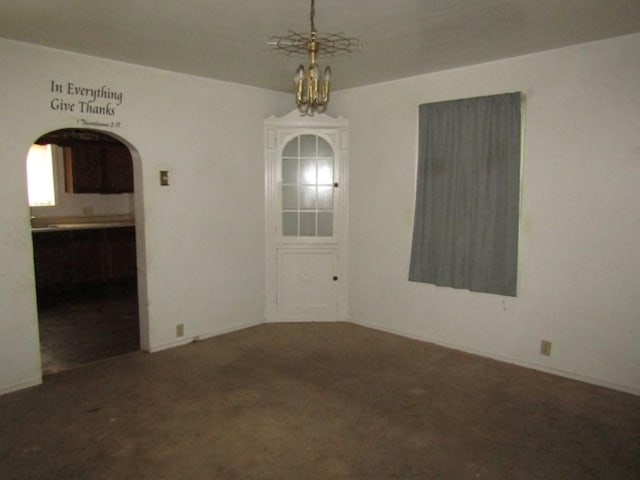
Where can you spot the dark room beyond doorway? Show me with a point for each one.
(84, 245)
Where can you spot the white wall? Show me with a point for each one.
(579, 262)
(202, 237)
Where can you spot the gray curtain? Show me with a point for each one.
(467, 194)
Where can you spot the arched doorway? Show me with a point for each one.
(85, 250)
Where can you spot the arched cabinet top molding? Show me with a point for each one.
(294, 119)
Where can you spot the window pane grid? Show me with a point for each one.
(307, 187)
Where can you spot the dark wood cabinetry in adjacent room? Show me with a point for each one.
(120, 252)
(98, 168)
(93, 162)
(71, 259)
(117, 170)
(87, 256)
(52, 258)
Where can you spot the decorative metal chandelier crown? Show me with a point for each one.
(312, 89)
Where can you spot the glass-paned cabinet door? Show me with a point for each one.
(307, 187)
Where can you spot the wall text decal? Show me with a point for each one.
(79, 99)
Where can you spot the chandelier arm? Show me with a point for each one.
(312, 89)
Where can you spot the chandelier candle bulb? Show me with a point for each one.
(312, 90)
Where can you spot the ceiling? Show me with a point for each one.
(226, 39)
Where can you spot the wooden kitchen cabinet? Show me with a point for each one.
(117, 169)
(52, 258)
(98, 168)
(66, 260)
(120, 252)
(88, 249)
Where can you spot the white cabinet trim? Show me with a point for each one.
(278, 131)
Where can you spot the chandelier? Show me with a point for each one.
(311, 88)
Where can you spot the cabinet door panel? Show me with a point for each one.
(83, 168)
(52, 258)
(98, 168)
(117, 170)
(307, 285)
(121, 252)
(89, 263)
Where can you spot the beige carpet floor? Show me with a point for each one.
(316, 401)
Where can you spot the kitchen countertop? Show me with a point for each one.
(57, 224)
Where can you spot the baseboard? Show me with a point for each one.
(13, 387)
(4, 389)
(202, 336)
(513, 361)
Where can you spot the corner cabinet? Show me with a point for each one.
(306, 218)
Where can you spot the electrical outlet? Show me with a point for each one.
(545, 348)
(180, 330)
